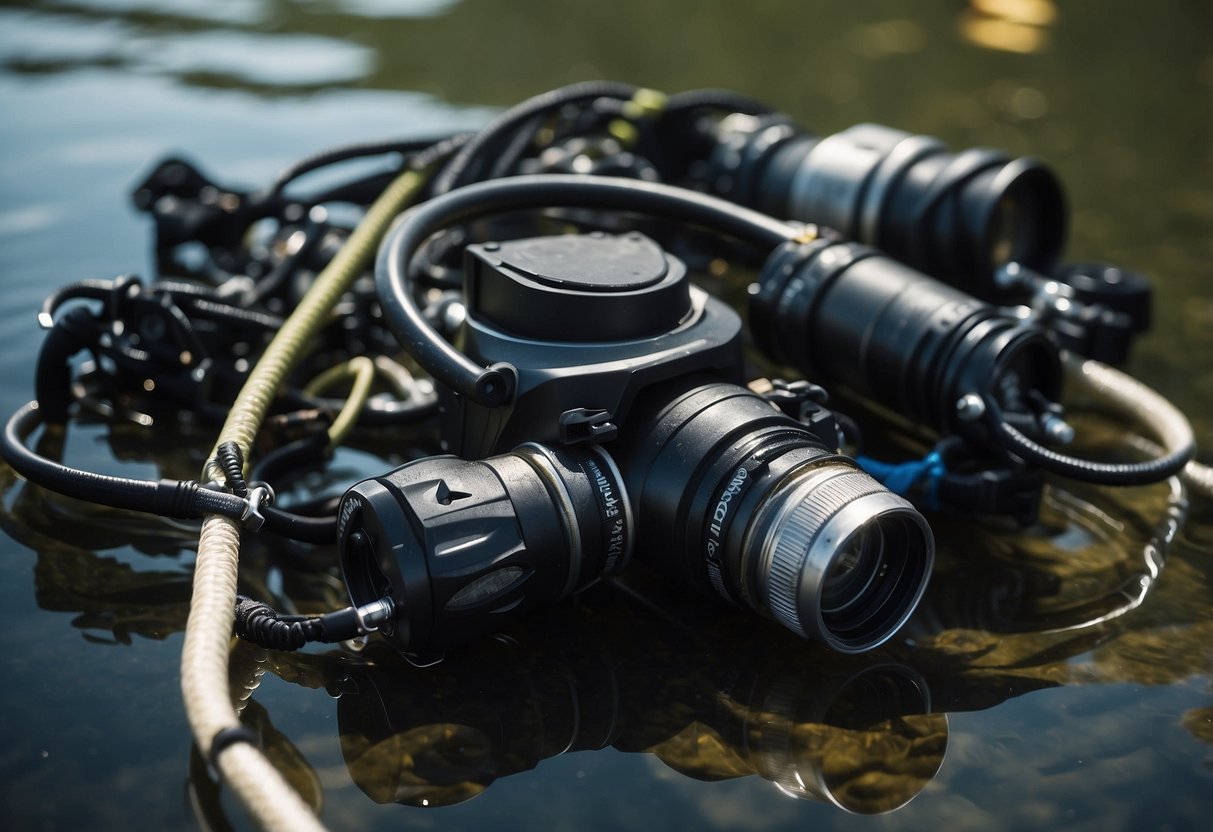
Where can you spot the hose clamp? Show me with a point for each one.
(259, 493)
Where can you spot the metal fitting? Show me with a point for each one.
(970, 407)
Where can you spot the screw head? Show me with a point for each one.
(1057, 429)
(970, 407)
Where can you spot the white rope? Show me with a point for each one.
(1152, 411)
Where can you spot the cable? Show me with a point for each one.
(91, 289)
(492, 386)
(322, 530)
(344, 153)
(261, 624)
(1135, 399)
(461, 165)
(1153, 412)
(362, 370)
(204, 660)
(182, 499)
(714, 99)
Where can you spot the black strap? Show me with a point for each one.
(225, 737)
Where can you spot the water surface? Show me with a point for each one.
(1058, 678)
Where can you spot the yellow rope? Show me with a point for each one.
(362, 370)
(263, 382)
(204, 660)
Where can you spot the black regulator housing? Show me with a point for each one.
(587, 320)
(627, 421)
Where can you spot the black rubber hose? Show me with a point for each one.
(458, 169)
(91, 289)
(236, 316)
(230, 460)
(261, 624)
(714, 99)
(1084, 470)
(183, 499)
(75, 331)
(516, 149)
(361, 191)
(299, 454)
(492, 386)
(319, 530)
(344, 153)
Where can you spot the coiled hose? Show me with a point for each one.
(204, 661)
(1155, 414)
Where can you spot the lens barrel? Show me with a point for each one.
(955, 216)
(844, 313)
(462, 546)
(747, 505)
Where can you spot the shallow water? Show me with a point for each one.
(1059, 678)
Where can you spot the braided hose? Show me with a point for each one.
(1154, 413)
(267, 796)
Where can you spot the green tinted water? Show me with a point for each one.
(1054, 679)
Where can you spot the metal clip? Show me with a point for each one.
(373, 615)
(258, 493)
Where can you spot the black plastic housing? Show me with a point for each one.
(463, 546)
(845, 313)
(957, 216)
(578, 368)
(735, 497)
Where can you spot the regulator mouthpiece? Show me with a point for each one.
(461, 547)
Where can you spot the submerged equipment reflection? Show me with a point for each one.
(859, 734)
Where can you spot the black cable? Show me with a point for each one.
(287, 267)
(461, 165)
(361, 191)
(514, 151)
(492, 386)
(76, 330)
(440, 150)
(226, 313)
(183, 499)
(1100, 473)
(231, 463)
(677, 105)
(261, 624)
(319, 530)
(90, 289)
(714, 99)
(344, 153)
(230, 460)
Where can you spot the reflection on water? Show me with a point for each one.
(170, 40)
(635, 667)
(1010, 25)
(1057, 676)
(858, 734)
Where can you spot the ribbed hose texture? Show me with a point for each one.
(1153, 412)
(204, 661)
